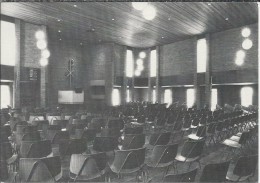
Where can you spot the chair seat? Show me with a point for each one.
(231, 143)
(234, 138)
(181, 158)
(232, 177)
(194, 137)
(115, 170)
(85, 177)
(160, 165)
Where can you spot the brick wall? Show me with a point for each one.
(178, 58)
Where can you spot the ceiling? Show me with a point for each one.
(119, 22)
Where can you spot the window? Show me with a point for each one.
(153, 63)
(168, 96)
(5, 96)
(115, 97)
(190, 97)
(154, 96)
(129, 63)
(128, 99)
(246, 96)
(201, 55)
(214, 99)
(7, 43)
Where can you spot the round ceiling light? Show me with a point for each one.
(139, 5)
(40, 35)
(149, 12)
(41, 44)
(246, 32)
(44, 62)
(142, 54)
(139, 61)
(137, 73)
(46, 54)
(241, 54)
(247, 44)
(239, 61)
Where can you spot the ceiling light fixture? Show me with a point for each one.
(226, 19)
(46, 54)
(209, 4)
(75, 5)
(162, 37)
(113, 19)
(149, 12)
(247, 44)
(246, 32)
(58, 20)
(59, 30)
(60, 39)
(40, 35)
(139, 5)
(44, 62)
(169, 18)
(142, 54)
(41, 44)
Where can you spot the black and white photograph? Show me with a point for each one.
(129, 91)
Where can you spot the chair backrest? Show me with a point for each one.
(35, 136)
(51, 118)
(115, 123)
(192, 149)
(135, 130)
(83, 167)
(41, 124)
(215, 172)
(62, 123)
(39, 169)
(201, 131)
(52, 130)
(133, 141)
(182, 177)
(86, 134)
(35, 118)
(164, 154)
(5, 151)
(110, 132)
(128, 160)
(105, 144)
(245, 165)
(60, 136)
(160, 138)
(35, 149)
(75, 146)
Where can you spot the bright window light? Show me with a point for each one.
(115, 97)
(153, 63)
(201, 55)
(246, 96)
(168, 96)
(190, 97)
(5, 96)
(128, 95)
(246, 32)
(129, 63)
(247, 44)
(8, 43)
(214, 99)
(154, 96)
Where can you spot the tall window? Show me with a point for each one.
(190, 97)
(168, 96)
(115, 97)
(246, 96)
(129, 63)
(5, 96)
(201, 55)
(128, 95)
(154, 96)
(7, 43)
(214, 98)
(153, 64)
